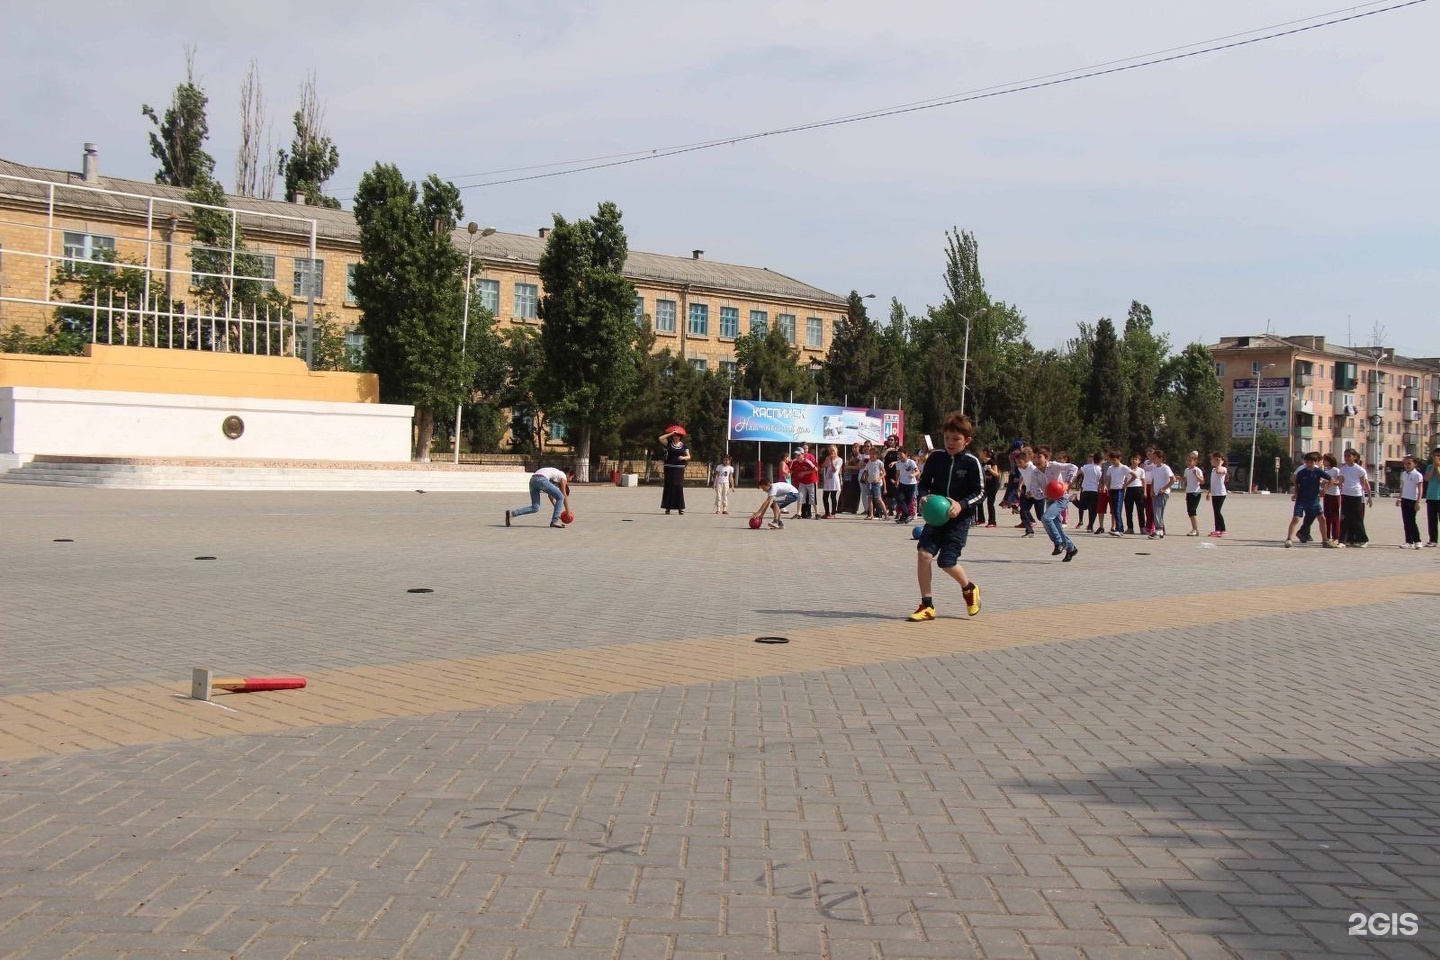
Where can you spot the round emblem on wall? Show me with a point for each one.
(232, 426)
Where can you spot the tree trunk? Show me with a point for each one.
(424, 432)
(582, 455)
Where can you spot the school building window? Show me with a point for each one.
(639, 311)
(355, 348)
(729, 368)
(558, 432)
(489, 293)
(664, 316)
(309, 277)
(730, 322)
(82, 248)
(349, 282)
(787, 326)
(699, 325)
(814, 332)
(259, 266)
(527, 301)
(698, 363)
(759, 322)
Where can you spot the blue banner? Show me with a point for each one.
(765, 420)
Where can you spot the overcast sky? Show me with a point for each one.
(1289, 183)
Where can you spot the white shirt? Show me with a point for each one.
(1352, 480)
(1034, 479)
(1119, 475)
(1334, 475)
(1410, 484)
(1137, 476)
(780, 489)
(830, 474)
(1194, 479)
(723, 473)
(1217, 480)
(555, 476)
(1064, 472)
(874, 471)
(1090, 477)
(907, 471)
(1160, 476)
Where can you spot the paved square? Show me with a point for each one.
(573, 748)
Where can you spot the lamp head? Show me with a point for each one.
(472, 227)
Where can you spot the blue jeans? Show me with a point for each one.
(539, 485)
(1159, 500)
(1030, 507)
(1051, 519)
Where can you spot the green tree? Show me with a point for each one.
(524, 365)
(1195, 411)
(1104, 405)
(588, 328)
(313, 157)
(768, 366)
(105, 301)
(180, 143)
(1144, 356)
(854, 364)
(409, 284)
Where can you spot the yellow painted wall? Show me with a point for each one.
(195, 372)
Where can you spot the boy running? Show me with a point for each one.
(1053, 512)
(953, 472)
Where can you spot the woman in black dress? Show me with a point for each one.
(677, 455)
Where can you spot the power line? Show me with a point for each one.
(1168, 55)
(931, 102)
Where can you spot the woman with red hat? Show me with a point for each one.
(677, 455)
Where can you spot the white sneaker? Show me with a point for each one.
(1287, 543)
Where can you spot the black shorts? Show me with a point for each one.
(946, 543)
(1192, 503)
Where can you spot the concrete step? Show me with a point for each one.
(126, 476)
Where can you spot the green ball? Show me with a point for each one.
(936, 510)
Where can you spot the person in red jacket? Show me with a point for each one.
(805, 474)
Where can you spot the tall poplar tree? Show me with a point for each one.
(588, 328)
(410, 285)
(179, 144)
(1104, 395)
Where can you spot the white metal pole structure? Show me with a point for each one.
(476, 233)
(965, 363)
(1255, 427)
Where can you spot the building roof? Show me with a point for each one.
(119, 197)
(1316, 344)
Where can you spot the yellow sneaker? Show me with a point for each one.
(972, 598)
(922, 613)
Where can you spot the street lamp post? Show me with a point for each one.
(1255, 428)
(965, 363)
(476, 233)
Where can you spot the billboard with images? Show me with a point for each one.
(1274, 400)
(770, 421)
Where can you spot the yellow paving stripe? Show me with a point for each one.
(41, 724)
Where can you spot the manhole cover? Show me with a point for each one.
(419, 590)
(772, 640)
(64, 540)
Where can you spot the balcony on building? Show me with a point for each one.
(1304, 373)
(1346, 376)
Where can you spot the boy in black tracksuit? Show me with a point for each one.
(955, 473)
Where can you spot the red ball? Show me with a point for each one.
(1055, 490)
(754, 523)
(567, 517)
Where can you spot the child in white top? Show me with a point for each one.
(907, 476)
(1409, 502)
(1159, 475)
(1354, 494)
(724, 481)
(1119, 477)
(1194, 483)
(1217, 492)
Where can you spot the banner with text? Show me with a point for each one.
(1274, 402)
(808, 423)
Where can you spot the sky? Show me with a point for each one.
(1288, 185)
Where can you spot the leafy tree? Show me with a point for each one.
(1195, 412)
(768, 366)
(180, 145)
(588, 328)
(313, 157)
(853, 365)
(221, 290)
(1144, 355)
(1047, 401)
(524, 364)
(410, 288)
(1104, 403)
(105, 299)
(55, 341)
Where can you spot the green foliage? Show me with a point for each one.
(855, 364)
(1194, 404)
(1104, 400)
(55, 341)
(588, 328)
(313, 156)
(221, 290)
(1143, 356)
(1268, 445)
(768, 366)
(180, 143)
(410, 288)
